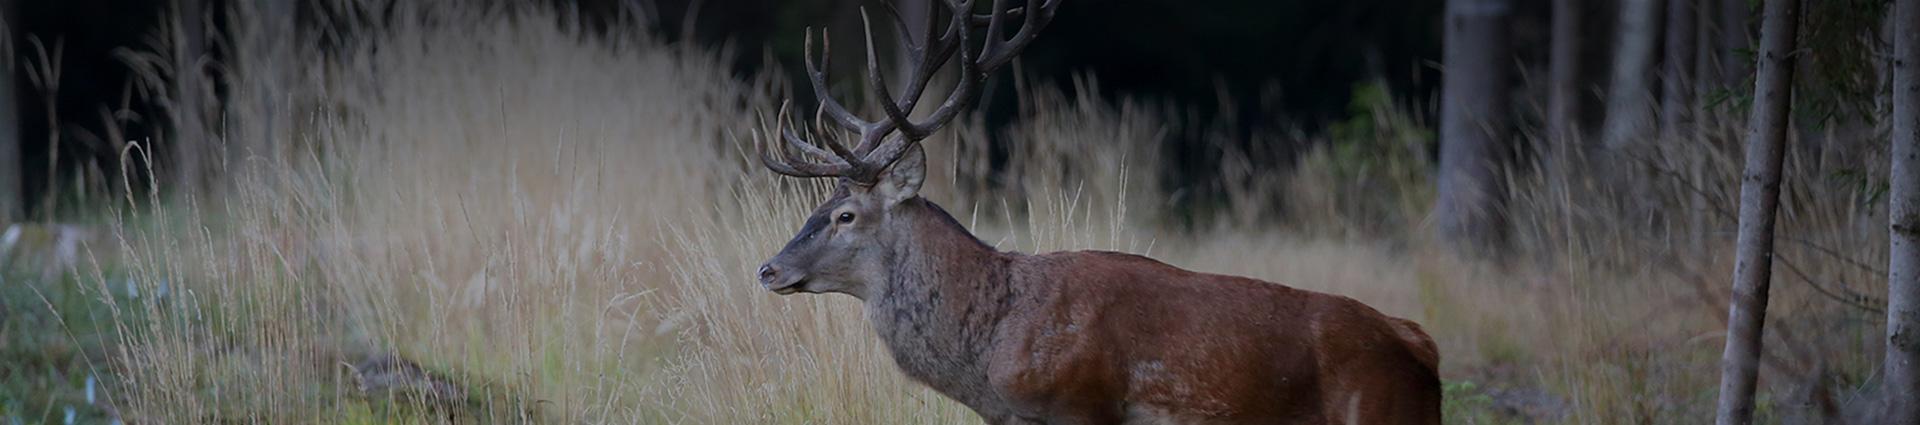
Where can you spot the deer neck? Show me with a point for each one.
(942, 301)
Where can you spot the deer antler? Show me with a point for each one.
(884, 140)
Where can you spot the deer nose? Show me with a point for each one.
(768, 273)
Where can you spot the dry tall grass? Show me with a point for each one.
(562, 227)
(477, 191)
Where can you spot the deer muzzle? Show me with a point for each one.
(782, 280)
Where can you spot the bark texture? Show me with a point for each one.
(1902, 368)
(1470, 209)
(1759, 198)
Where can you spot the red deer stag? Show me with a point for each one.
(1071, 337)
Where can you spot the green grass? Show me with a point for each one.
(1465, 403)
(54, 338)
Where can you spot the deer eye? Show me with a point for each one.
(846, 217)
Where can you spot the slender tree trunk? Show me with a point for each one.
(190, 142)
(1631, 101)
(12, 201)
(1736, 37)
(1759, 197)
(1677, 95)
(1902, 385)
(1470, 210)
(1631, 114)
(1563, 72)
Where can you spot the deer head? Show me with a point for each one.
(842, 246)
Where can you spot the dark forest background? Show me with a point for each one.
(1246, 67)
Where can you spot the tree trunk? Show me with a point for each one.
(12, 201)
(1902, 385)
(1677, 95)
(1630, 104)
(1470, 209)
(190, 142)
(1759, 197)
(1735, 38)
(1563, 72)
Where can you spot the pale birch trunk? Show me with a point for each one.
(1902, 365)
(1630, 101)
(1759, 199)
(1471, 204)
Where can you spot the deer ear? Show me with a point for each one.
(901, 181)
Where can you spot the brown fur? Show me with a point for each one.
(1120, 331)
(1075, 337)
(1102, 337)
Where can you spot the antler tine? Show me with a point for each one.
(886, 153)
(994, 21)
(900, 27)
(819, 79)
(883, 141)
(936, 55)
(970, 73)
(797, 142)
(999, 51)
(875, 78)
(801, 169)
(916, 49)
(839, 151)
(780, 162)
(970, 76)
(983, 20)
(928, 56)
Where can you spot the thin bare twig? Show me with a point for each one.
(1853, 299)
(1833, 253)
